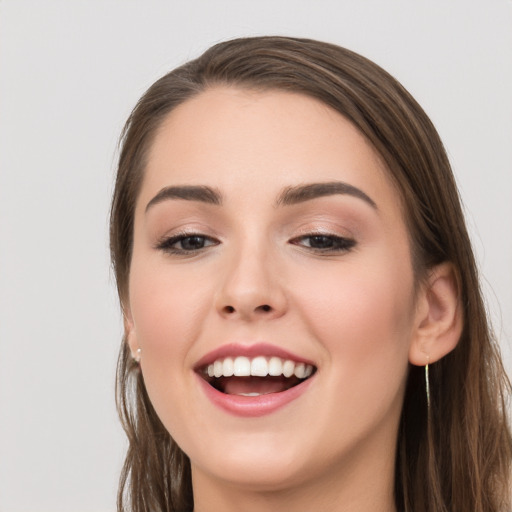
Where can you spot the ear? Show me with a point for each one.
(129, 333)
(439, 321)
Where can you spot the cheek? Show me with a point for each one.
(167, 309)
(363, 320)
(363, 314)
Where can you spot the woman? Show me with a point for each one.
(304, 328)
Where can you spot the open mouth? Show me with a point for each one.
(244, 376)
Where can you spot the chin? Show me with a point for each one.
(259, 476)
(256, 466)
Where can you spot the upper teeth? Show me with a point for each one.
(258, 367)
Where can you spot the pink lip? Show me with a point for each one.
(257, 349)
(253, 406)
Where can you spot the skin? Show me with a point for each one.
(355, 313)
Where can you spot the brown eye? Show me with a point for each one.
(192, 243)
(324, 243)
(186, 244)
(321, 242)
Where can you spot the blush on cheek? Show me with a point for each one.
(363, 315)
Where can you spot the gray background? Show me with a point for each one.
(70, 72)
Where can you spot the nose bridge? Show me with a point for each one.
(250, 286)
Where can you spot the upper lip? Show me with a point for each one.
(250, 351)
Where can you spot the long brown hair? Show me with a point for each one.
(455, 456)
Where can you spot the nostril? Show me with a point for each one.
(264, 308)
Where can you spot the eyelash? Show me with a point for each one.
(332, 244)
(168, 244)
(339, 244)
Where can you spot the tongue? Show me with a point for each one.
(259, 385)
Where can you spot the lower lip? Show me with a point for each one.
(253, 406)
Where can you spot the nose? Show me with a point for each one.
(251, 288)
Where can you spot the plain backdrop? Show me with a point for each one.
(70, 72)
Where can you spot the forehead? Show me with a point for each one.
(247, 141)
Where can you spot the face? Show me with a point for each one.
(271, 290)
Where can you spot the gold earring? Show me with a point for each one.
(427, 383)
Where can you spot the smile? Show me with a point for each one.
(258, 382)
(260, 375)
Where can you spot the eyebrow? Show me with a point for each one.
(290, 195)
(200, 193)
(302, 193)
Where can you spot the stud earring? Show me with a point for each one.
(137, 355)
